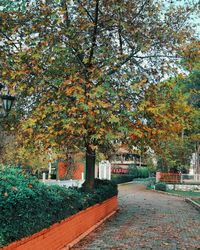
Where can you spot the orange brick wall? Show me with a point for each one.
(168, 177)
(61, 169)
(68, 230)
(77, 175)
(78, 172)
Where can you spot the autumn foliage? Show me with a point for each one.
(80, 69)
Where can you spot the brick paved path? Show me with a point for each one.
(147, 220)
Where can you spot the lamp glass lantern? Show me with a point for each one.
(7, 102)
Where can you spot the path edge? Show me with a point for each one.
(82, 236)
(193, 203)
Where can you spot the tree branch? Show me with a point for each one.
(120, 64)
(94, 33)
(88, 13)
(120, 35)
(66, 16)
(141, 9)
(158, 56)
(9, 40)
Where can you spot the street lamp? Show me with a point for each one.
(7, 102)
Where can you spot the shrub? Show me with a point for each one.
(121, 178)
(143, 172)
(150, 182)
(27, 205)
(133, 170)
(138, 172)
(161, 186)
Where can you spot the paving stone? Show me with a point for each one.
(147, 220)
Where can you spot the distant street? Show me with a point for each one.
(147, 220)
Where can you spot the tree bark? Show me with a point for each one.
(197, 151)
(90, 168)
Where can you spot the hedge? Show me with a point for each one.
(27, 205)
(143, 172)
(134, 172)
(139, 172)
(161, 186)
(121, 178)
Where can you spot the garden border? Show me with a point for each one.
(193, 203)
(69, 231)
(124, 183)
(166, 193)
(188, 200)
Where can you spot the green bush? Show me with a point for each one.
(133, 170)
(161, 186)
(143, 172)
(150, 182)
(27, 205)
(138, 172)
(121, 178)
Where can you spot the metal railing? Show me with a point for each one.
(190, 178)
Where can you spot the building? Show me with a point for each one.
(123, 158)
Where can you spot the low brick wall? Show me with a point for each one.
(67, 231)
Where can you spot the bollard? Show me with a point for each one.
(82, 176)
(43, 177)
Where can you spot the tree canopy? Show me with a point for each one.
(79, 68)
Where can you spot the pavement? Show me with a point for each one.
(147, 220)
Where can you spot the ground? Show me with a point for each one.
(147, 220)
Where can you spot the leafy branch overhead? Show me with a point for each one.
(80, 68)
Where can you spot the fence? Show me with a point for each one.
(170, 177)
(190, 178)
(178, 178)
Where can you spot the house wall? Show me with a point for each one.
(77, 173)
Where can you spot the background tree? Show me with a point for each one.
(169, 115)
(163, 116)
(191, 87)
(74, 64)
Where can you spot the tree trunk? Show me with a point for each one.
(197, 165)
(90, 168)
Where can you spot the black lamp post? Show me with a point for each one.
(7, 102)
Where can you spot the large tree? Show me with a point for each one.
(74, 65)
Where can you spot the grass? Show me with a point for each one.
(149, 182)
(186, 183)
(185, 193)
